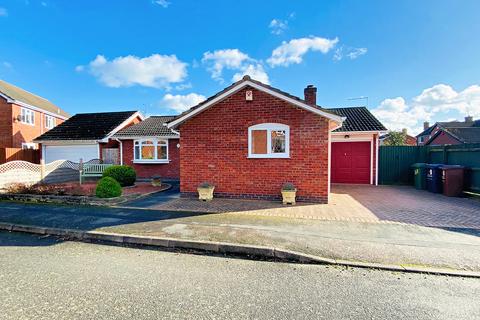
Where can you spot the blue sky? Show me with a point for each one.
(415, 60)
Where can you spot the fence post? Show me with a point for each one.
(445, 155)
(42, 169)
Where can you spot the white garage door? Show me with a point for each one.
(73, 153)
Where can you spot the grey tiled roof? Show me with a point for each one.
(465, 135)
(87, 126)
(358, 119)
(16, 93)
(150, 127)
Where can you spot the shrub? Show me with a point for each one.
(125, 175)
(108, 188)
(205, 185)
(288, 187)
(19, 188)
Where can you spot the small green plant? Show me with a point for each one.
(108, 188)
(125, 175)
(205, 185)
(288, 187)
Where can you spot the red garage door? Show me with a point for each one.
(351, 162)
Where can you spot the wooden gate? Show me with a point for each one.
(110, 155)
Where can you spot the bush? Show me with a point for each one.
(125, 175)
(205, 185)
(108, 188)
(288, 187)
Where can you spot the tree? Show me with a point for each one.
(396, 138)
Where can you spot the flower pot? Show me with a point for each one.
(156, 181)
(289, 196)
(205, 194)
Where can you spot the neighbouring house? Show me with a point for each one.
(250, 139)
(87, 136)
(453, 132)
(24, 116)
(409, 140)
(151, 148)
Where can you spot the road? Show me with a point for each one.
(46, 278)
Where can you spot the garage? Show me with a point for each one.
(73, 153)
(351, 162)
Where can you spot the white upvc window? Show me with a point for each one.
(150, 151)
(29, 145)
(49, 122)
(269, 140)
(27, 116)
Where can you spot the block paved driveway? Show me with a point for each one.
(359, 203)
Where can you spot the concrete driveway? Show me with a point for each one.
(358, 203)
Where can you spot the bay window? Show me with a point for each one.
(150, 151)
(269, 140)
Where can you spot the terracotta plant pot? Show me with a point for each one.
(205, 194)
(289, 196)
(156, 181)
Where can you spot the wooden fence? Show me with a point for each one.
(395, 162)
(17, 154)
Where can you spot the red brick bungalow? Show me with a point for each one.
(151, 148)
(86, 136)
(250, 139)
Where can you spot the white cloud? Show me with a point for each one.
(236, 60)
(156, 71)
(278, 26)
(162, 3)
(7, 65)
(255, 71)
(294, 50)
(395, 114)
(3, 12)
(219, 60)
(351, 53)
(437, 103)
(181, 103)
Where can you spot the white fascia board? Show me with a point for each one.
(146, 137)
(240, 86)
(29, 106)
(122, 125)
(361, 132)
(64, 142)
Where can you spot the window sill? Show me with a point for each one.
(151, 161)
(268, 157)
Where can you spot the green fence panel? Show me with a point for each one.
(395, 162)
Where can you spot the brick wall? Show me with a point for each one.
(165, 170)
(22, 132)
(444, 138)
(214, 148)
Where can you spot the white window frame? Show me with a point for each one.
(49, 122)
(269, 127)
(29, 145)
(27, 116)
(156, 143)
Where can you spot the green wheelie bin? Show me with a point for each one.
(420, 175)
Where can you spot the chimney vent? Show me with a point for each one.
(310, 93)
(426, 125)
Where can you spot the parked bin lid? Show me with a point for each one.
(451, 166)
(434, 165)
(419, 165)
